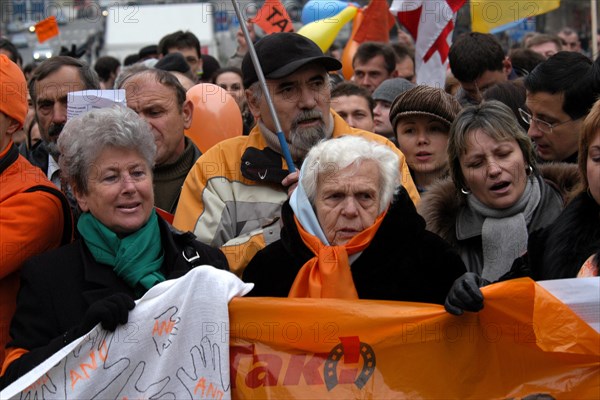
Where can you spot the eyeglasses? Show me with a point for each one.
(543, 126)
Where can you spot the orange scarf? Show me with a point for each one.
(327, 274)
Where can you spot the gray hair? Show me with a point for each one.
(255, 91)
(84, 137)
(127, 72)
(497, 121)
(88, 77)
(331, 156)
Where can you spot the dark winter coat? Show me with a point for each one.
(441, 205)
(404, 262)
(559, 250)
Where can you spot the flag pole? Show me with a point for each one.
(594, 13)
(263, 84)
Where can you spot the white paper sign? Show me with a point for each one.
(582, 295)
(83, 101)
(175, 345)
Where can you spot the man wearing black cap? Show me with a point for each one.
(232, 197)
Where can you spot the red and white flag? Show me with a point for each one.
(431, 23)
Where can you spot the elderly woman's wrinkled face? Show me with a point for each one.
(347, 201)
(593, 168)
(120, 193)
(493, 171)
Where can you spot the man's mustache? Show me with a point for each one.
(55, 130)
(307, 115)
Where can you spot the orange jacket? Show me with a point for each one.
(30, 223)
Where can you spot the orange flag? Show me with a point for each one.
(376, 24)
(351, 47)
(273, 18)
(46, 29)
(525, 342)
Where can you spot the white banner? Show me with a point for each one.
(175, 345)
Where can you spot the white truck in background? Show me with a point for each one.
(130, 27)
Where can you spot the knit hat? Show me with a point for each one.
(173, 62)
(13, 93)
(425, 101)
(389, 89)
(281, 54)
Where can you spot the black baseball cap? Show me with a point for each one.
(280, 54)
(173, 62)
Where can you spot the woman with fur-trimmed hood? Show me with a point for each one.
(567, 248)
(496, 195)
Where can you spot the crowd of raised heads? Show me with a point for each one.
(372, 185)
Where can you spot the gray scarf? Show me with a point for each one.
(504, 232)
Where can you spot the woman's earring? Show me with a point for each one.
(465, 191)
(529, 169)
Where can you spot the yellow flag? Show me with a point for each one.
(489, 14)
(324, 31)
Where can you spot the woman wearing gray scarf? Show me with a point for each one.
(496, 195)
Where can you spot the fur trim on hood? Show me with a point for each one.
(439, 206)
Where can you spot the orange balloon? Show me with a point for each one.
(351, 47)
(216, 116)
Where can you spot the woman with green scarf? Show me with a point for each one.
(124, 246)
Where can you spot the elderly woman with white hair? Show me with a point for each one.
(350, 231)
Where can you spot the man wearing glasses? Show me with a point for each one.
(560, 93)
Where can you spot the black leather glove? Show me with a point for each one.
(465, 295)
(110, 312)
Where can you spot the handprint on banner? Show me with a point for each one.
(43, 388)
(118, 374)
(135, 387)
(91, 362)
(206, 361)
(146, 358)
(165, 328)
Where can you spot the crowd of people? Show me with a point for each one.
(398, 191)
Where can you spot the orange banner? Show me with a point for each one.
(523, 342)
(376, 24)
(46, 29)
(273, 18)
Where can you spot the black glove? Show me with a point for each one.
(110, 312)
(465, 294)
